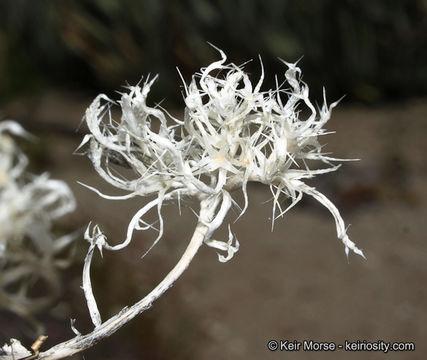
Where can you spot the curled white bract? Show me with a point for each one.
(233, 133)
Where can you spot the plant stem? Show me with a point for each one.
(83, 342)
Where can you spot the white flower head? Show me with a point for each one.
(28, 248)
(233, 133)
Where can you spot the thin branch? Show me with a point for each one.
(81, 343)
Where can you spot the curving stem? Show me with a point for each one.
(83, 342)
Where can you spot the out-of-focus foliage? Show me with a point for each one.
(30, 252)
(371, 50)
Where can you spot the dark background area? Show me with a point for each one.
(372, 51)
(293, 283)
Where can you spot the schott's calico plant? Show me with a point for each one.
(28, 248)
(233, 133)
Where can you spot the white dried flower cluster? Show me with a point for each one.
(232, 133)
(28, 248)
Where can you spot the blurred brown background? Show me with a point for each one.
(293, 283)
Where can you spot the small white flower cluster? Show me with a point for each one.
(28, 248)
(232, 133)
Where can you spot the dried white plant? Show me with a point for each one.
(28, 248)
(233, 133)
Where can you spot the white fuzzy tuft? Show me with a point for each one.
(232, 133)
